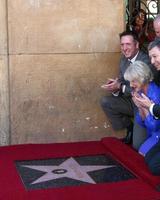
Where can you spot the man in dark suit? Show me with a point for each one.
(119, 106)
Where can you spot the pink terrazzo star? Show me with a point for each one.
(69, 168)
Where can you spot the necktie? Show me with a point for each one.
(130, 62)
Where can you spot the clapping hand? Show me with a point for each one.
(135, 98)
(112, 85)
(143, 101)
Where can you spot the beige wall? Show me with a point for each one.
(60, 52)
(4, 78)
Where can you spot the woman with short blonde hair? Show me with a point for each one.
(139, 71)
(141, 81)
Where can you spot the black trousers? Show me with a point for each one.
(152, 159)
(121, 110)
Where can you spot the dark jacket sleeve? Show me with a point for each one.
(124, 63)
(156, 110)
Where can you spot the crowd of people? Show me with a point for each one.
(133, 102)
(143, 27)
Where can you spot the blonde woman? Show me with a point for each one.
(141, 81)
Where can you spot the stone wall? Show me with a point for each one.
(4, 77)
(55, 54)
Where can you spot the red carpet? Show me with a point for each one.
(20, 182)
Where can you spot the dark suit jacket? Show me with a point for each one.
(156, 110)
(124, 63)
(156, 107)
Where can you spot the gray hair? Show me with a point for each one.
(139, 71)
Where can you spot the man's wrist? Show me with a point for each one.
(118, 85)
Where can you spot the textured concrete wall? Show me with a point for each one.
(4, 79)
(60, 52)
(64, 26)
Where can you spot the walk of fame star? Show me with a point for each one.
(69, 168)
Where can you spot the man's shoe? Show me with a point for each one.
(128, 138)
